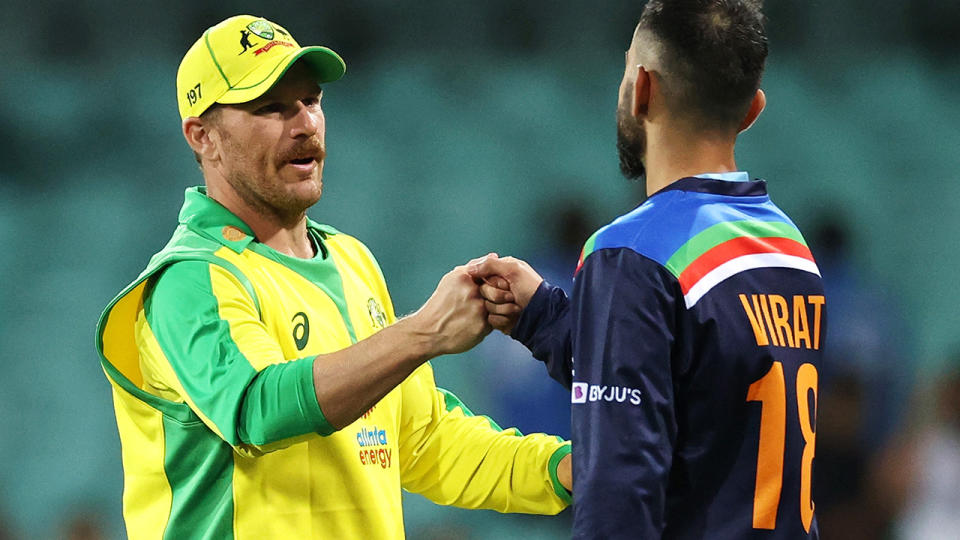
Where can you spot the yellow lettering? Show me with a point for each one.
(781, 314)
(766, 317)
(758, 330)
(801, 329)
(817, 301)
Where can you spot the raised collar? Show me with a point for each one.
(753, 188)
(209, 218)
(735, 176)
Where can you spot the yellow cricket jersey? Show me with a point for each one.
(210, 353)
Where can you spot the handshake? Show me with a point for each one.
(471, 300)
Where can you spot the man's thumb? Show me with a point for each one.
(483, 267)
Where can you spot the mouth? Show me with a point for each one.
(307, 163)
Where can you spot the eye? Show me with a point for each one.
(269, 108)
(313, 100)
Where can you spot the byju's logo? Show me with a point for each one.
(581, 392)
(578, 392)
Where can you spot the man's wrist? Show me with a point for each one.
(533, 312)
(418, 337)
(524, 297)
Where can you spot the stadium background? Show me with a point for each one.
(462, 128)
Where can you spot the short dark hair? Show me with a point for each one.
(209, 115)
(713, 53)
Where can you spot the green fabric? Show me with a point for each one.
(198, 236)
(199, 467)
(279, 402)
(183, 313)
(552, 465)
(588, 246)
(722, 232)
(174, 252)
(205, 216)
(246, 406)
(451, 402)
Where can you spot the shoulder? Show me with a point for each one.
(649, 230)
(674, 227)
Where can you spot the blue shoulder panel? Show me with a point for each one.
(664, 222)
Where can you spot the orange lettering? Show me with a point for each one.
(766, 317)
(770, 390)
(801, 330)
(758, 330)
(780, 311)
(817, 301)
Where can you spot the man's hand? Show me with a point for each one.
(507, 284)
(453, 318)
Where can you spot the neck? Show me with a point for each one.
(288, 236)
(672, 155)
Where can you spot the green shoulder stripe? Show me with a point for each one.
(588, 246)
(722, 232)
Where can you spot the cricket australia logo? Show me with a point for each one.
(261, 28)
(377, 317)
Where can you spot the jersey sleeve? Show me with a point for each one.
(623, 413)
(544, 329)
(202, 342)
(455, 458)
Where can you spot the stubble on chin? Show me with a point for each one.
(285, 204)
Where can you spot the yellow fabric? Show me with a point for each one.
(119, 341)
(239, 59)
(347, 484)
(147, 494)
(460, 460)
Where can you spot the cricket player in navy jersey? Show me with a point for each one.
(693, 340)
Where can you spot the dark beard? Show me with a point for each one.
(631, 146)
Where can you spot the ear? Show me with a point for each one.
(641, 92)
(197, 135)
(756, 107)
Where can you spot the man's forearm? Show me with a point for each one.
(351, 381)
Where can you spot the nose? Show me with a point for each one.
(307, 122)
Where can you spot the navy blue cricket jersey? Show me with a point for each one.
(691, 346)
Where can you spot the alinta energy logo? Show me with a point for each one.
(581, 392)
(373, 447)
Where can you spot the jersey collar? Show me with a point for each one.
(209, 218)
(701, 184)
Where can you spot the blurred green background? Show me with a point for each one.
(460, 128)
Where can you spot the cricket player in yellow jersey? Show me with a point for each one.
(263, 387)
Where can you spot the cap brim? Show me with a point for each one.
(326, 64)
